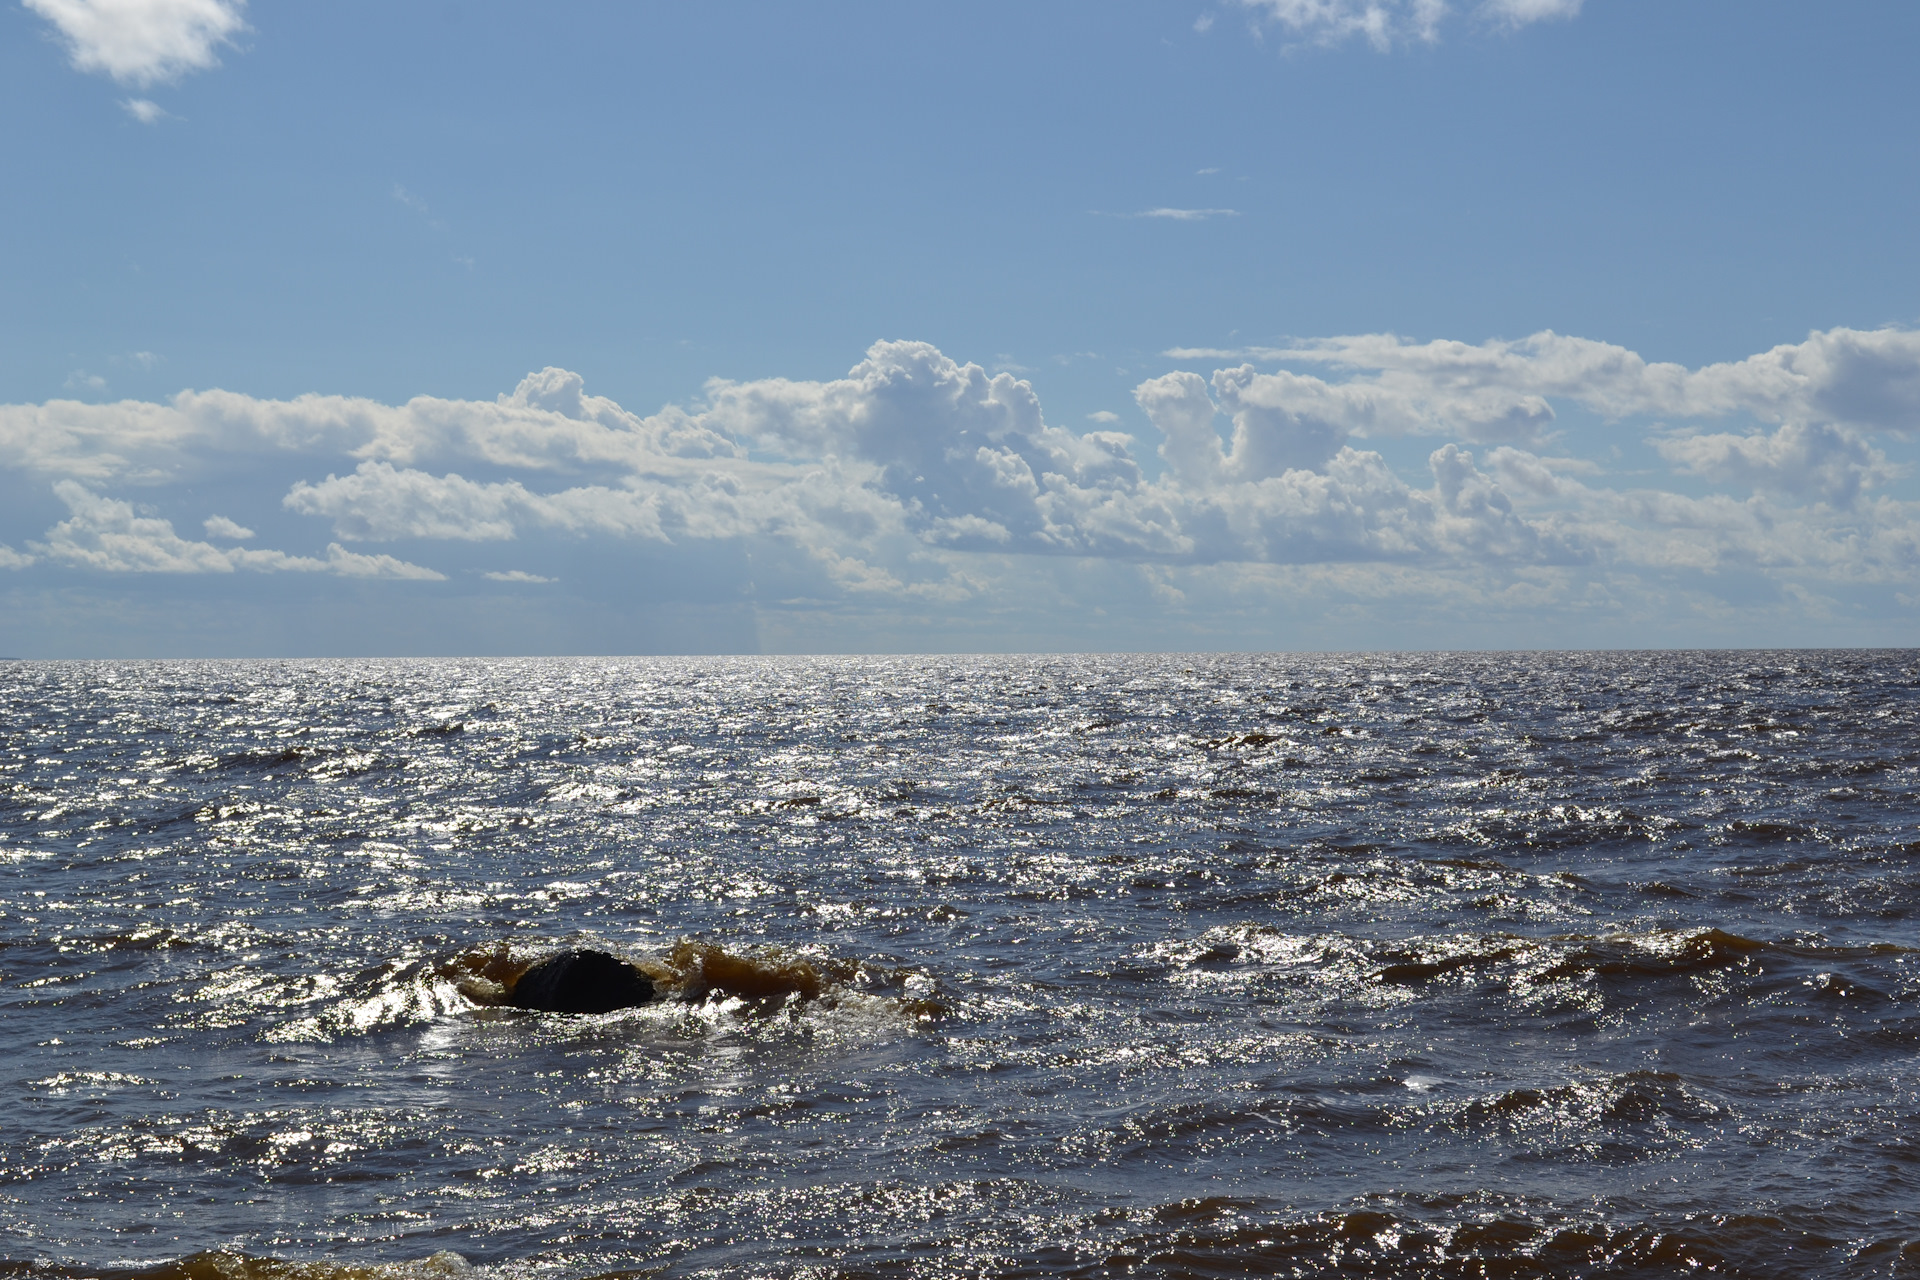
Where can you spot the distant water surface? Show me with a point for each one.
(1373, 965)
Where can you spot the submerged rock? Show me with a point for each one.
(581, 981)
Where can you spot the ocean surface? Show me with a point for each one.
(1375, 965)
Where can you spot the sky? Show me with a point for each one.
(466, 327)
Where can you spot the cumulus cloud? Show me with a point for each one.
(1287, 488)
(1865, 380)
(11, 559)
(937, 441)
(378, 502)
(548, 423)
(1818, 460)
(352, 564)
(143, 42)
(1386, 23)
(221, 527)
(107, 534)
(1868, 543)
(949, 457)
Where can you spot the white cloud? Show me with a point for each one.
(1381, 23)
(1103, 416)
(378, 502)
(221, 527)
(1867, 380)
(1386, 23)
(11, 559)
(351, 564)
(1869, 541)
(105, 533)
(1818, 460)
(1519, 13)
(145, 110)
(547, 424)
(143, 42)
(108, 535)
(515, 575)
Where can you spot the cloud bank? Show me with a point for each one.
(919, 478)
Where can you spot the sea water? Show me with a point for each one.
(1394, 965)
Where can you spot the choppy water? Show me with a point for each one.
(1412, 965)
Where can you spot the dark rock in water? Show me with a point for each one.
(581, 982)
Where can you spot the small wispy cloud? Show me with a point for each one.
(144, 110)
(1104, 415)
(1386, 23)
(81, 380)
(1173, 215)
(516, 575)
(403, 196)
(1226, 353)
(1203, 23)
(1518, 13)
(417, 205)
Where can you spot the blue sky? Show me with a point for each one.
(605, 328)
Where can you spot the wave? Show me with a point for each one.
(1405, 1237)
(690, 974)
(1215, 1237)
(1575, 966)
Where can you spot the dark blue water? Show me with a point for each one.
(1408, 965)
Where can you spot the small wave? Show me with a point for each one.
(1633, 1097)
(1570, 957)
(390, 996)
(1580, 967)
(1655, 954)
(223, 1264)
(1768, 832)
(1398, 1236)
(1220, 1236)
